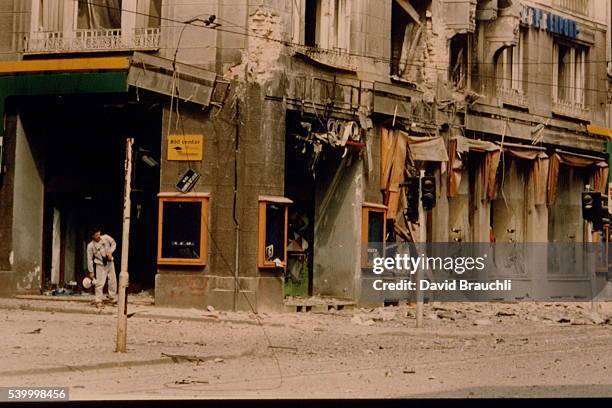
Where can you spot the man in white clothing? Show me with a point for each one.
(100, 263)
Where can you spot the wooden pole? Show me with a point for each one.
(124, 277)
(422, 241)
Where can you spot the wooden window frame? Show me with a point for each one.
(261, 241)
(204, 198)
(366, 209)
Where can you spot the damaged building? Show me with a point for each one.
(272, 138)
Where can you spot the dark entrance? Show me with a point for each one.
(82, 140)
(300, 174)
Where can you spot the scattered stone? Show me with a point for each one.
(319, 329)
(502, 313)
(595, 318)
(35, 331)
(446, 315)
(482, 322)
(499, 340)
(409, 370)
(368, 351)
(557, 360)
(218, 360)
(431, 377)
(563, 320)
(388, 374)
(210, 308)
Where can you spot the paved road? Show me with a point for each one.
(464, 351)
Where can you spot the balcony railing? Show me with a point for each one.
(92, 40)
(570, 109)
(512, 97)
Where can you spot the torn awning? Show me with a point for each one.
(167, 77)
(598, 165)
(427, 148)
(395, 146)
(460, 145)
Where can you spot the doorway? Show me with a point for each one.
(83, 143)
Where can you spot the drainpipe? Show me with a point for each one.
(236, 223)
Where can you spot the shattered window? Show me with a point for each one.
(373, 233)
(406, 36)
(275, 232)
(272, 245)
(459, 61)
(181, 230)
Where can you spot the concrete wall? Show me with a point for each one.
(261, 172)
(27, 213)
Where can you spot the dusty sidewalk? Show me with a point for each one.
(464, 350)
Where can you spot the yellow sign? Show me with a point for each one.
(599, 130)
(185, 147)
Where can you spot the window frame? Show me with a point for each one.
(261, 230)
(577, 52)
(332, 24)
(366, 209)
(204, 198)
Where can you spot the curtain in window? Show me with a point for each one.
(99, 14)
(148, 13)
(50, 15)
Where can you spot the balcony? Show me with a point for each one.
(512, 97)
(570, 109)
(92, 40)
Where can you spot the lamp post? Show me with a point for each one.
(124, 277)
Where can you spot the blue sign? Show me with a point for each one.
(552, 23)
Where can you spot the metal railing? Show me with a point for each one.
(92, 40)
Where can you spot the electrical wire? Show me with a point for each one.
(360, 55)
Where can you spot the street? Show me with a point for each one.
(464, 350)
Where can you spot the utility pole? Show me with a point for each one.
(419, 271)
(124, 277)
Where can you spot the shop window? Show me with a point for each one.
(569, 74)
(459, 49)
(406, 32)
(183, 229)
(373, 232)
(327, 24)
(273, 220)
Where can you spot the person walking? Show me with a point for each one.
(101, 265)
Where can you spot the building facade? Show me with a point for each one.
(272, 136)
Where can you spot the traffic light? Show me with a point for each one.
(412, 197)
(604, 215)
(428, 192)
(591, 205)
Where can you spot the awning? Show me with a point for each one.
(61, 77)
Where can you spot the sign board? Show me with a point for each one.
(185, 147)
(187, 181)
(550, 22)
